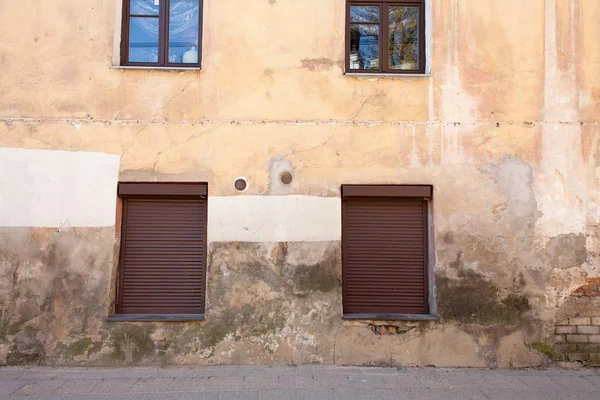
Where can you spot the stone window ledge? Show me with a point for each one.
(391, 317)
(155, 318)
(385, 76)
(175, 69)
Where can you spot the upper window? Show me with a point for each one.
(385, 37)
(162, 33)
(385, 252)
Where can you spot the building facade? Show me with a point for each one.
(400, 183)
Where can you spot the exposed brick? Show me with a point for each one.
(588, 330)
(580, 321)
(563, 323)
(594, 339)
(595, 357)
(577, 294)
(577, 338)
(593, 280)
(587, 347)
(596, 321)
(567, 348)
(559, 339)
(578, 357)
(566, 329)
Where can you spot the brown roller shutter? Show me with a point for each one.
(384, 255)
(163, 251)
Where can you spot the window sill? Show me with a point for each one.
(177, 69)
(384, 76)
(392, 317)
(155, 318)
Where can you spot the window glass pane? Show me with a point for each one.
(183, 31)
(364, 14)
(364, 46)
(404, 38)
(143, 40)
(144, 7)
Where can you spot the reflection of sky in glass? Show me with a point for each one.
(144, 7)
(143, 43)
(364, 14)
(364, 46)
(183, 31)
(404, 38)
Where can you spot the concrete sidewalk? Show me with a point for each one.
(296, 383)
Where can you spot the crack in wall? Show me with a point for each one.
(85, 121)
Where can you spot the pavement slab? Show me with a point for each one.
(115, 385)
(575, 383)
(40, 388)
(296, 383)
(316, 394)
(9, 387)
(245, 395)
(151, 385)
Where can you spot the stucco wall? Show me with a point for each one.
(505, 129)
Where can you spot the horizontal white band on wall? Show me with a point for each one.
(274, 219)
(48, 188)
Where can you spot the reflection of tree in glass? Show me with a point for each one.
(404, 23)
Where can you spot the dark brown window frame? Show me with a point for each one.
(384, 36)
(163, 38)
(406, 192)
(156, 190)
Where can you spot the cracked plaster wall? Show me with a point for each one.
(506, 128)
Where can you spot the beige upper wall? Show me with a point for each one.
(513, 60)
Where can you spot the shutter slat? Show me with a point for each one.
(163, 256)
(384, 256)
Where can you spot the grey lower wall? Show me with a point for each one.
(267, 303)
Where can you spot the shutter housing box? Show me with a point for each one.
(162, 263)
(385, 251)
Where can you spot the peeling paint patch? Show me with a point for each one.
(567, 251)
(471, 298)
(515, 179)
(312, 64)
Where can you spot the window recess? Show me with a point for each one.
(385, 37)
(385, 252)
(161, 33)
(162, 263)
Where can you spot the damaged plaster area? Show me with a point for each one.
(498, 291)
(267, 303)
(274, 284)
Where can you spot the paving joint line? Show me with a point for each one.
(589, 381)
(522, 381)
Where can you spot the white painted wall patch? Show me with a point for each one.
(274, 218)
(47, 188)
